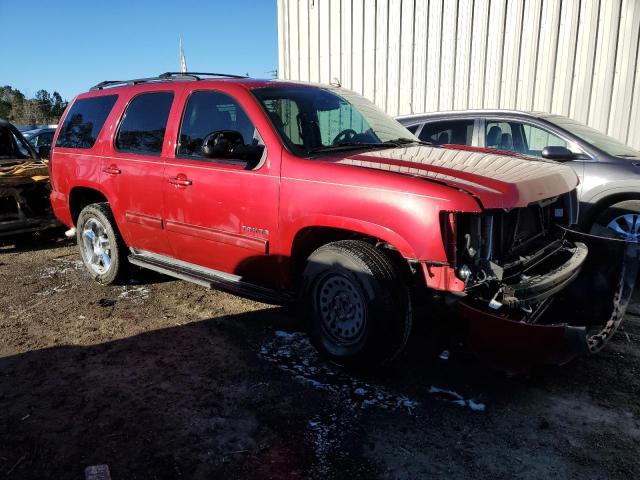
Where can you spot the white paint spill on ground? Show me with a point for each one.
(325, 441)
(136, 294)
(457, 399)
(293, 353)
(63, 267)
(97, 472)
(51, 290)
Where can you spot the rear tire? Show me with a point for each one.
(621, 221)
(103, 251)
(358, 306)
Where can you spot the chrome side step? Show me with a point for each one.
(207, 277)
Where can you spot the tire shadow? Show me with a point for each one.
(44, 240)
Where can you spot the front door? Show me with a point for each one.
(521, 137)
(221, 211)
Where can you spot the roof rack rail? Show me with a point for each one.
(162, 77)
(200, 74)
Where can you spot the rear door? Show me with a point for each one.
(133, 168)
(221, 213)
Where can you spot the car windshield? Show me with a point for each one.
(315, 120)
(596, 138)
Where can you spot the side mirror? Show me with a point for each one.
(44, 151)
(560, 154)
(221, 143)
(229, 144)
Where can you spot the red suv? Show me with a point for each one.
(285, 191)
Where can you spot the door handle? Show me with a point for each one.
(112, 170)
(180, 180)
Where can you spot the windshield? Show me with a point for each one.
(598, 139)
(312, 120)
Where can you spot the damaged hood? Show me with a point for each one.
(497, 181)
(21, 171)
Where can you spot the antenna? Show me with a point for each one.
(183, 60)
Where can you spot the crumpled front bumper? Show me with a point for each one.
(580, 320)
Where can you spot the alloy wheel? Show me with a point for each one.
(626, 227)
(96, 246)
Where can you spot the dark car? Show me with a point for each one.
(609, 170)
(40, 137)
(24, 186)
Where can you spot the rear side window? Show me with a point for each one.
(84, 121)
(459, 132)
(143, 123)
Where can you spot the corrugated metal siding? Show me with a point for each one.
(574, 57)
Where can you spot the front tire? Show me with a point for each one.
(101, 246)
(621, 221)
(358, 306)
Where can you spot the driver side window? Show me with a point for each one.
(537, 139)
(214, 118)
(520, 137)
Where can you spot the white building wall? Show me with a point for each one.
(579, 58)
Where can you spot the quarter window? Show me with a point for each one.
(459, 132)
(84, 121)
(143, 124)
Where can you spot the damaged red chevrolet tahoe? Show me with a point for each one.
(283, 191)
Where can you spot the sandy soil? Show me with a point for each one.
(161, 379)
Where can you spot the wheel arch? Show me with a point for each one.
(310, 237)
(80, 197)
(601, 203)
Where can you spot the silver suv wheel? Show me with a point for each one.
(626, 227)
(96, 247)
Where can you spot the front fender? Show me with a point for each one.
(625, 188)
(594, 202)
(351, 224)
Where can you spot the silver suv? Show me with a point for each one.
(609, 171)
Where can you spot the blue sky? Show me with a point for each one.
(71, 45)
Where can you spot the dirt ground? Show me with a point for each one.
(161, 379)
